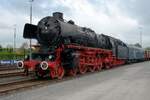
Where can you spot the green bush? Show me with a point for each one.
(10, 56)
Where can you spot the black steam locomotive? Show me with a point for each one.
(67, 47)
(54, 31)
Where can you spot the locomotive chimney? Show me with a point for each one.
(58, 15)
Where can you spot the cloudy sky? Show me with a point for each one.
(123, 19)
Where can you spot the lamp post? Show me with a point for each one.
(14, 50)
(140, 31)
(30, 54)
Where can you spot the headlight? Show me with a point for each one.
(44, 65)
(20, 64)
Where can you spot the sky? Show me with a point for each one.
(122, 19)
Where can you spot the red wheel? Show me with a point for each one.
(52, 73)
(73, 71)
(39, 73)
(26, 71)
(107, 66)
(82, 69)
(60, 72)
(91, 68)
(99, 67)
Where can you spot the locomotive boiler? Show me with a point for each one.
(54, 30)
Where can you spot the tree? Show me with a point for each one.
(23, 48)
(1, 48)
(9, 48)
(147, 48)
(138, 45)
(24, 45)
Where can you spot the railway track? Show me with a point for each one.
(8, 84)
(7, 67)
(11, 73)
(6, 80)
(26, 84)
(15, 86)
(9, 87)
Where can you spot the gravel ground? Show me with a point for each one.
(129, 82)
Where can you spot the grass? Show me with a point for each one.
(10, 56)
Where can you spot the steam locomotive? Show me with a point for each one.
(66, 48)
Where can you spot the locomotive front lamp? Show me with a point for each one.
(44, 65)
(20, 64)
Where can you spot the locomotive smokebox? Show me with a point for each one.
(58, 15)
